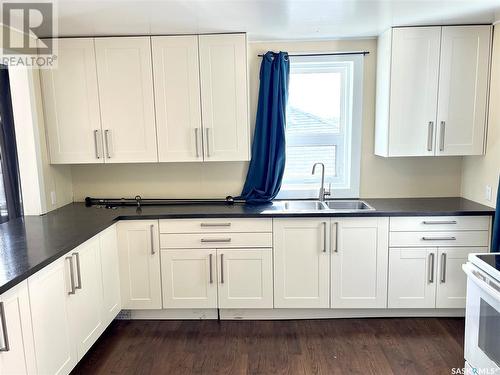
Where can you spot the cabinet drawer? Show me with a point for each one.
(434, 239)
(215, 225)
(439, 223)
(215, 240)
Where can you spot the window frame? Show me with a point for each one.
(352, 131)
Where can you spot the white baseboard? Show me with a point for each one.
(289, 314)
(175, 314)
(284, 314)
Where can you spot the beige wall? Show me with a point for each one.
(479, 171)
(380, 177)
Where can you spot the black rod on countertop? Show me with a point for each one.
(139, 201)
(327, 54)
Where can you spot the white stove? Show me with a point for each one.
(482, 321)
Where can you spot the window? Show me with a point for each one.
(323, 125)
(10, 196)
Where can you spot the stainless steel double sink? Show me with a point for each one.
(306, 206)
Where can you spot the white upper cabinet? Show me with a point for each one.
(463, 90)
(432, 86)
(414, 90)
(177, 98)
(180, 98)
(71, 104)
(224, 97)
(126, 96)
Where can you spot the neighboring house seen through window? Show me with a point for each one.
(323, 125)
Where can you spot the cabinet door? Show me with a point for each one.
(452, 281)
(18, 335)
(224, 97)
(138, 248)
(245, 278)
(301, 263)
(126, 95)
(49, 295)
(110, 274)
(415, 65)
(412, 278)
(463, 89)
(71, 104)
(359, 262)
(85, 307)
(189, 278)
(177, 98)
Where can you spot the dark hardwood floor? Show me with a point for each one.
(339, 346)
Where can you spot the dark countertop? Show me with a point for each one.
(28, 244)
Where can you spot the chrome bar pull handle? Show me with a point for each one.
(324, 236)
(215, 224)
(433, 222)
(443, 267)
(71, 276)
(450, 238)
(78, 272)
(335, 234)
(431, 268)
(106, 139)
(207, 240)
(152, 236)
(441, 135)
(222, 268)
(96, 144)
(208, 141)
(196, 142)
(430, 135)
(210, 268)
(3, 320)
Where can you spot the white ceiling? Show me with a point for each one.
(264, 19)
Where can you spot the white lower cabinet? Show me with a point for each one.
(189, 278)
(72, 302)
(111, 298)
(428, 277)
(49, 298)
(139, 257)
(17, 352)
(337, 263)
(301, 263)
(245, 278)
(412, 278)
(210, 278)
(85, 306)
(359, 262)
(452, 280)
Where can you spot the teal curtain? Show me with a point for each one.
(266, 168)
(495, 245)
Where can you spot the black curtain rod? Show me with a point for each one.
(327, 54)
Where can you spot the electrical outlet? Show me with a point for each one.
(487, 193)
(53, 197)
